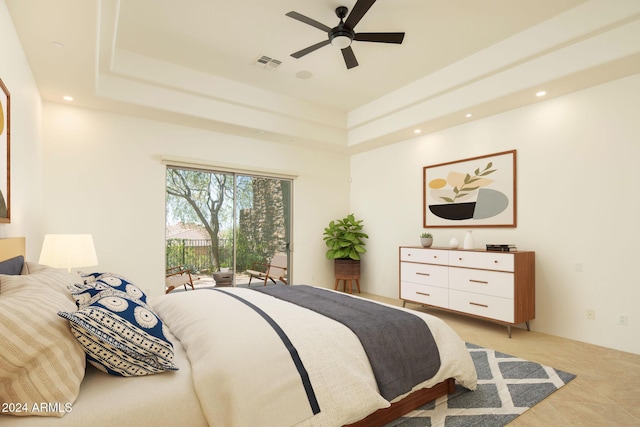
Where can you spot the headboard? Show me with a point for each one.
(11, 247)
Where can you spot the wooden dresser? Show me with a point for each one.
(498, 286)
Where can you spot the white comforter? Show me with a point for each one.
(243, 375)
(234, 371)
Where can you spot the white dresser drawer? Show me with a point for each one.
(431, 256)
(496, 283)
(482, 305)
(425, 274)
(483, 260)
(431, 295)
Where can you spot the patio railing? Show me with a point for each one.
(195, 254)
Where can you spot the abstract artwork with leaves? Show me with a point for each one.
(475, 192)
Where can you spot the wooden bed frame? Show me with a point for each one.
(14, 246)
(413, 401)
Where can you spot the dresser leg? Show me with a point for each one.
(528, 329)
(509, 330)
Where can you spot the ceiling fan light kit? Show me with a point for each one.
(341, 39)
(343, 34)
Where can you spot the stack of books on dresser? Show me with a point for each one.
(501, 247)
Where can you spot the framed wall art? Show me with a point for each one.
(475, 192)
(5, 154)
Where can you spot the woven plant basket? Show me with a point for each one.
(347, 268)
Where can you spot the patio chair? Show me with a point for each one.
(178, 276)
(277, 268)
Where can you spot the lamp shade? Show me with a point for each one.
(68, 251)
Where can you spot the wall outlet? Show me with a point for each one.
(591, 314)
(579, 267)
(622, 320)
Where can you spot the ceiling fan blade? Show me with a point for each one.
(349, 57)
(303, 52)
(359, 9)
(380, 37)
(309, 21)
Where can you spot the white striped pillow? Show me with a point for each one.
(41, 363)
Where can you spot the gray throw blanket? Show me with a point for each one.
(400, 346)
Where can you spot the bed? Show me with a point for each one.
(226, 357)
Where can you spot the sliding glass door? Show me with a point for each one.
(219, 221)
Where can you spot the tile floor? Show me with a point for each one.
(606, 391)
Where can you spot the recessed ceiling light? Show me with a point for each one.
(417, 131)
(468, 115)
(67, 98)
(541, 93)
(304, 75)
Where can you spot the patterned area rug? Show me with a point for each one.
(507, 387)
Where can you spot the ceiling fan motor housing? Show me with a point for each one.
(341, 30)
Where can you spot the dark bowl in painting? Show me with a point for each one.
(454, 211)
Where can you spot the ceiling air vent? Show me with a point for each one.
(267, 63)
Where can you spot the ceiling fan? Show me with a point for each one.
(342, 35)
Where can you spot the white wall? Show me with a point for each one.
(26, 158)
(103, 175)
(577, 195)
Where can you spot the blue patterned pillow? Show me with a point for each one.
(83, 293)
(89, 277)
(121, 336)
(92, 277)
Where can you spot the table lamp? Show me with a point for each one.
(68, 251)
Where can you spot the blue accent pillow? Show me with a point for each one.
(83, 293)
(121, 335)
(92, 277)
(12, 266)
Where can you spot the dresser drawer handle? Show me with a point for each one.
(422, 293)
(479, 281)
(479, 305)
(422, 274)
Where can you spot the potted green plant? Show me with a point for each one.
(426, 239)
(345, 240)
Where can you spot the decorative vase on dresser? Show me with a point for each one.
(498, 286)
(468, 241)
